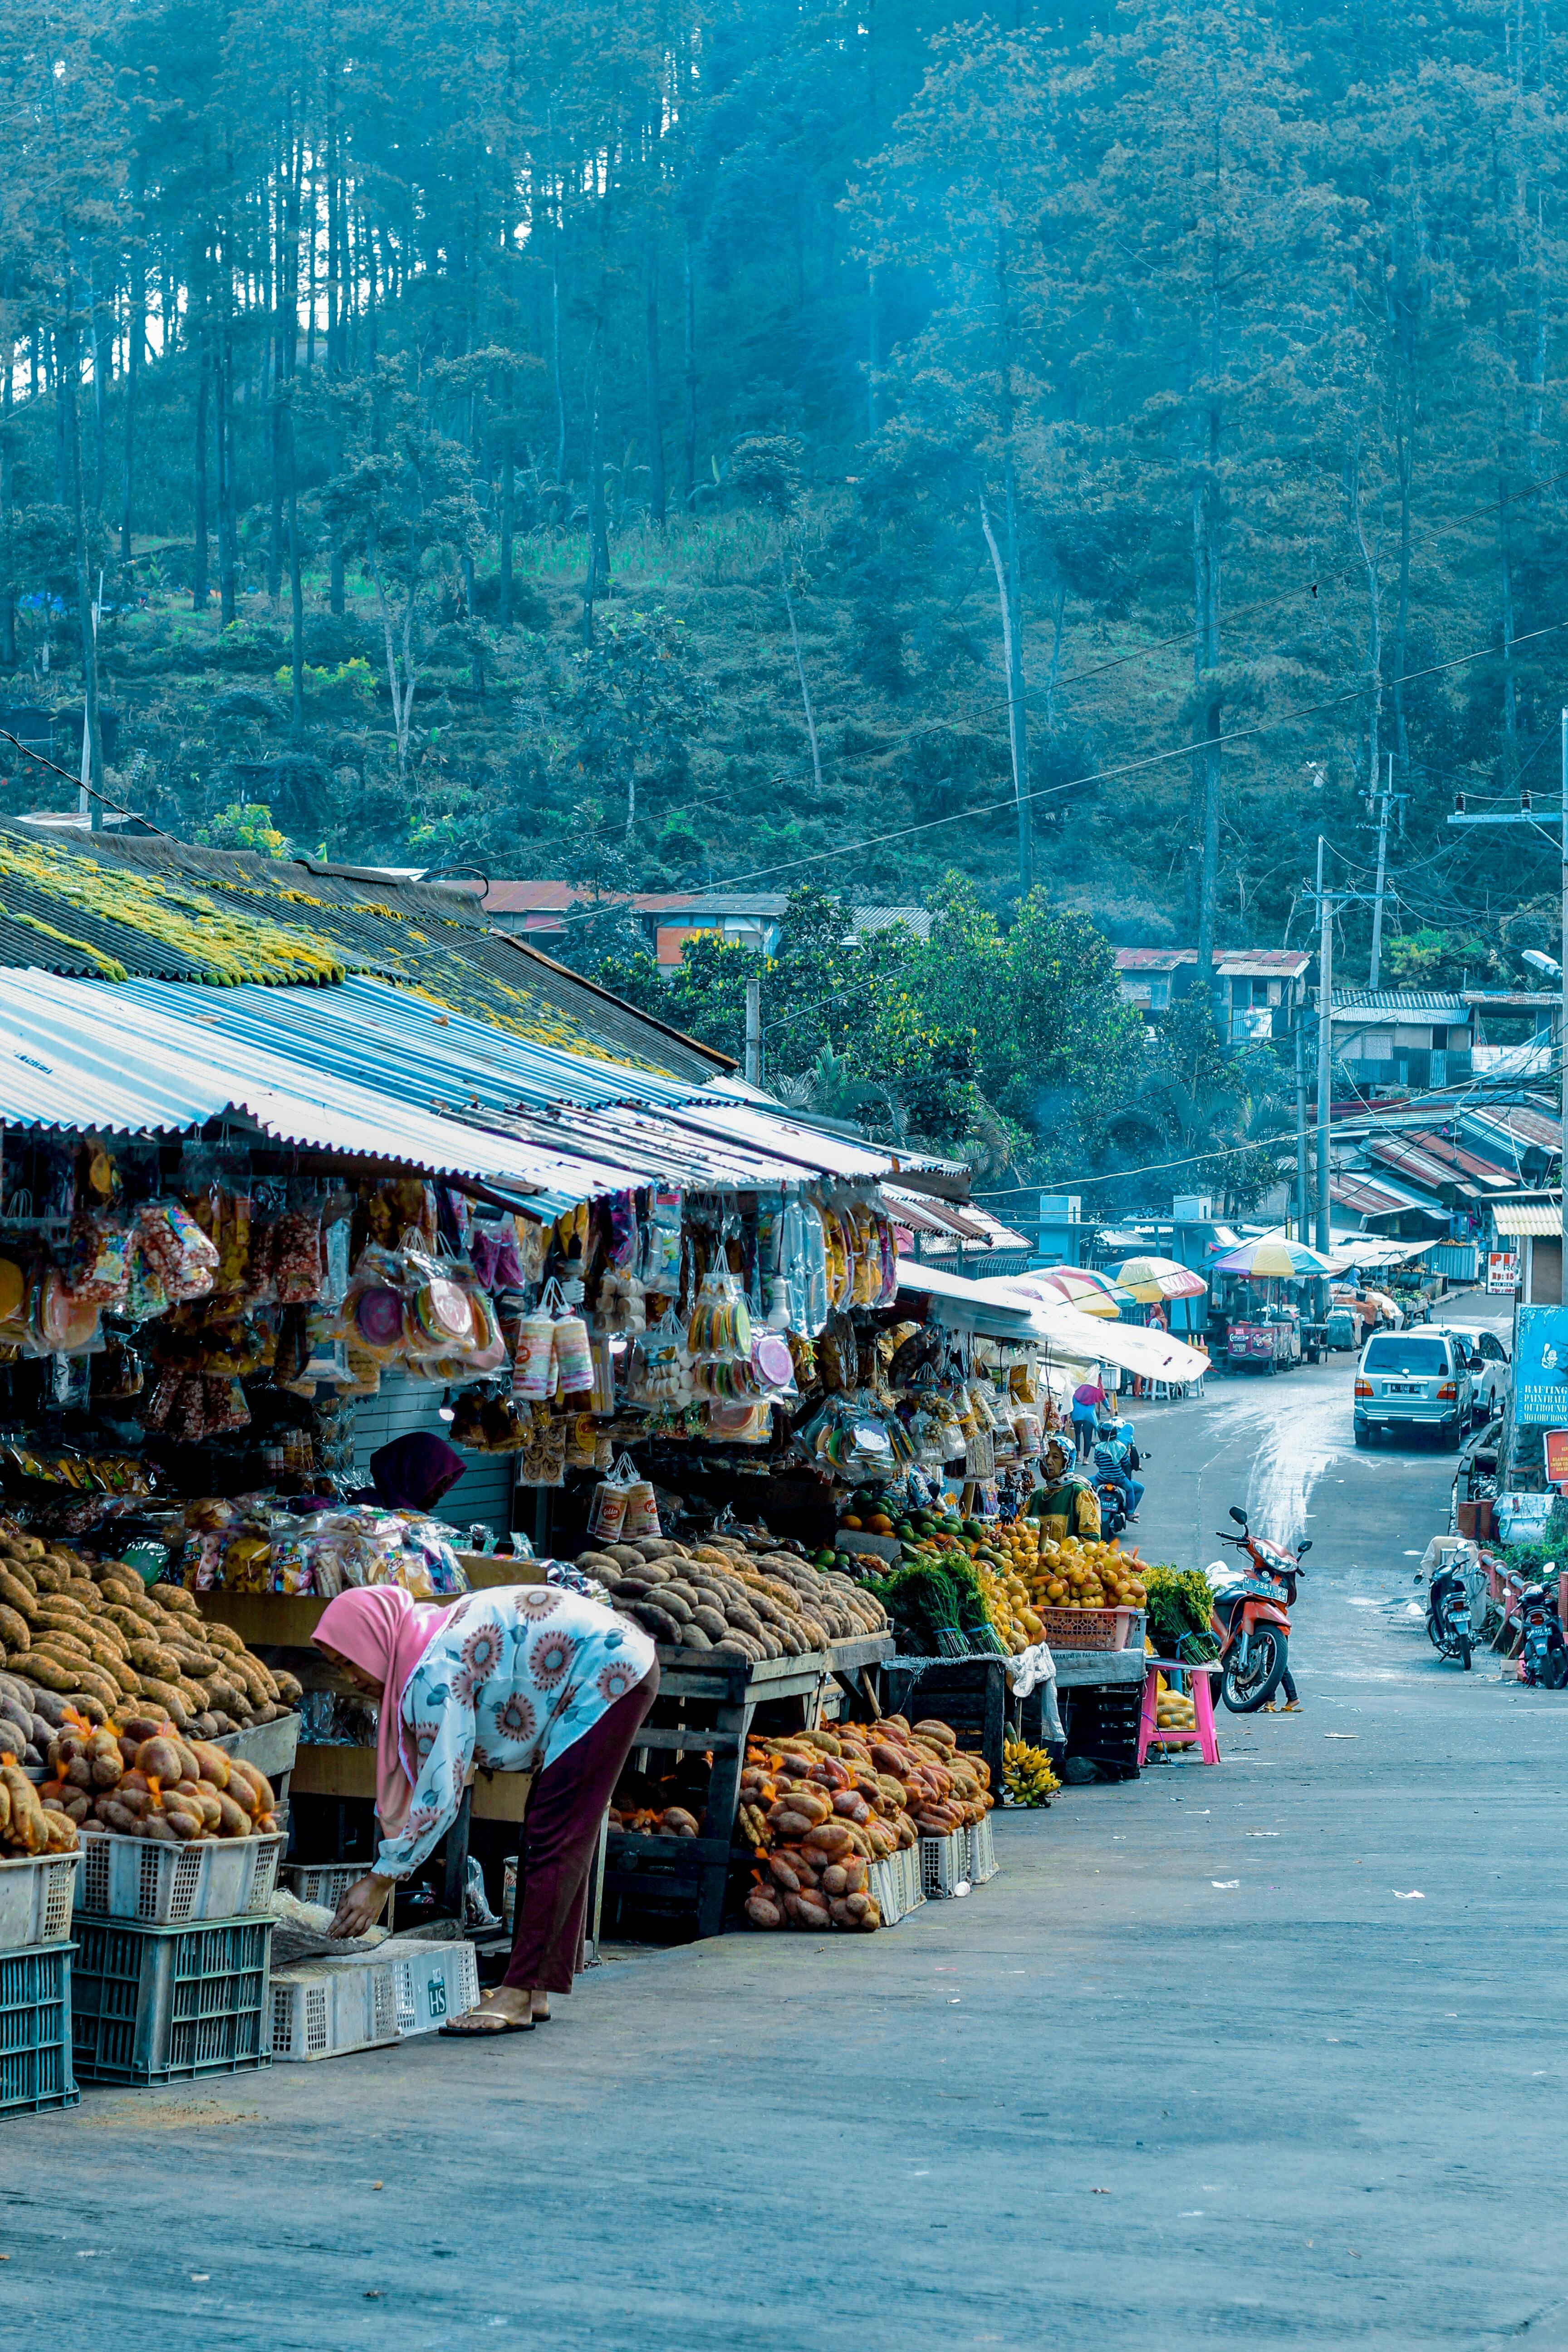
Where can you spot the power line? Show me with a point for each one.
(1097, 776)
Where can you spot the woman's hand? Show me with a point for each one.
(361, 1906)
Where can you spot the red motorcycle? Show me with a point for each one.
(1251, 1617)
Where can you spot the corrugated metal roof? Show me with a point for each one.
(1542, 1218)
(1407, 1004)
(367, 1070)
(190, 914)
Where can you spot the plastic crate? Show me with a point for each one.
(36, 2030)
(166, 1885)
(982, 1862)
(435, 1981)
(896, 1883)
(321, 1882)
(944, 1864)
(166, 2004)
(37, 1894)
(327, 2012)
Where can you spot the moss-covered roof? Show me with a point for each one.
(151, 907)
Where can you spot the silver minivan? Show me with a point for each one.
(1413, 1379)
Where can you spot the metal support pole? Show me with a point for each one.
(753, 1033)
(1325, 1055)
(1562, 1039)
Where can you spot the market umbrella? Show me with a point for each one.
(1273, 1258)
(1150, 1279)
(1075, 1285)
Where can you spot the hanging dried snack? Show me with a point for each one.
(297, 1257)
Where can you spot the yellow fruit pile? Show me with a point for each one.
(1173, 1710)
(1011, 1611)
(1027, 1773)
(1079, 1573)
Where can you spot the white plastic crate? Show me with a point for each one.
(37, 1894)
(168, 1885)
(896, 1883)
(325, 1883)
(326, 2011)
(982, 1862)
(944, 1864)
(435, 1981)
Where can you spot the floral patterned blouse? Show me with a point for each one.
(514, 1676)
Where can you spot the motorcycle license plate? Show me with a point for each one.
(1256, 1591)
(1458, 1621)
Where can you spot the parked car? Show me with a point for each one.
(1491, 1374)
(1411, 1381)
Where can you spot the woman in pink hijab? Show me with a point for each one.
(523, 1678)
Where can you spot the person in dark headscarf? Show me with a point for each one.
(412, 1473)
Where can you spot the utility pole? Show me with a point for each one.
(1526, 815)
(1325, 1044)
(753, 1033)
(1300, 1124)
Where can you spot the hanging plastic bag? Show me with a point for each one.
(607, 1511)
(642, 1509)
(574, 1357)
(661, 1242)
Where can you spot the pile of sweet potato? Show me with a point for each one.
(818, 1808)
(148, 1780)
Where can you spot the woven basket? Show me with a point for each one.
(1085, 1629)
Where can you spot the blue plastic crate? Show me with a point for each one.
(166, 2004)
(35, 2029)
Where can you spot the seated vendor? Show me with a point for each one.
(524, 1678)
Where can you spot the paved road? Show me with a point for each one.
(1269, 2055)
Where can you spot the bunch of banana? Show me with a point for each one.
(1027, 1773)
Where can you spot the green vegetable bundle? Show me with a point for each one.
(1179, 1603)
(925, 1599)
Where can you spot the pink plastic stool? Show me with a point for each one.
(1203, 1736)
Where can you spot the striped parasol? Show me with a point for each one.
(1075, 1286)
(1150, 1279)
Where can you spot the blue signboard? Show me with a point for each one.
(1540, 1368)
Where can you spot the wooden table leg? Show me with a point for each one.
(719, 1814)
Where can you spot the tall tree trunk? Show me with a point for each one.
(1402, 611)
(508, 525)
(799, 666)
(688, 468)
(873, 361)
(1509, 698)
(560, 381)
(227, 507)
(99, 436)
(84, 607)
(135, 343)
(296, 596)
(199, 557)
(1005, 563)
(655, 488)
(597, 577)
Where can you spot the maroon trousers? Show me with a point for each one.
(565, 1807)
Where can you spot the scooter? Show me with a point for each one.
(1250, 1620)
(1543, 1653)
(1449, 1625)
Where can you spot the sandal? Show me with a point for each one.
(459, 2030)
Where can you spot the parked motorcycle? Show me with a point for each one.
(1449, 1625)
(1250, 1619)
(1543, 1653)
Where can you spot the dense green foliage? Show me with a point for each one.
(678, 442)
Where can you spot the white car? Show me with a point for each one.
(1491, 1374)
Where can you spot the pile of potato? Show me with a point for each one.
(91, 1639)
(144, 1779)
(818, 1808)
(726, 1596)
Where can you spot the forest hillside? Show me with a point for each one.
(801, 445)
